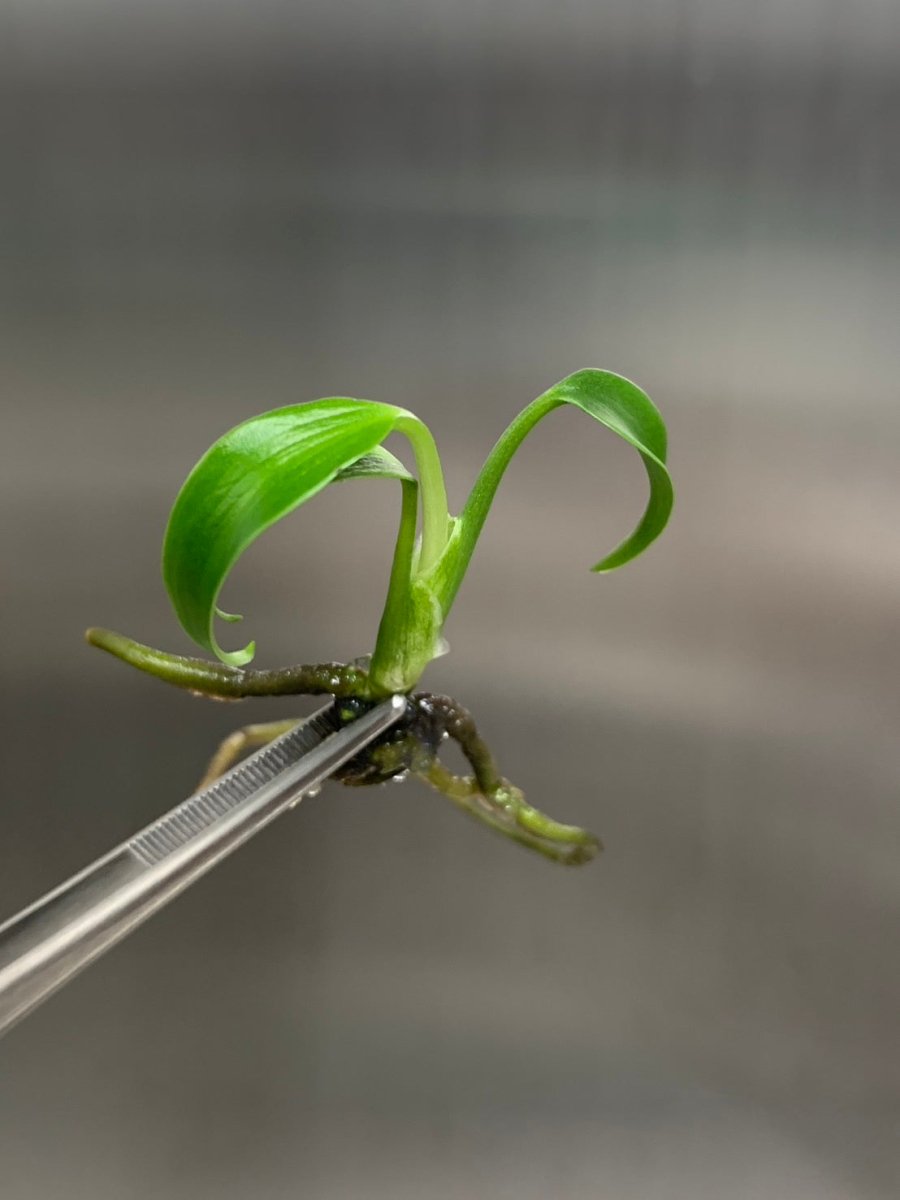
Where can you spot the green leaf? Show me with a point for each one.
(377, 464)
(621, 406)
(269, 465)
(250, 478)
(613, 401)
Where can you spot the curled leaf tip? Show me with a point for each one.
(254, 475)
(235, 658)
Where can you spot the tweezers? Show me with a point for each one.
(46, 944)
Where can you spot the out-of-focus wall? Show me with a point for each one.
(207, 210)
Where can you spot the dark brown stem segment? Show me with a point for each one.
(231, 683)
(458, 723)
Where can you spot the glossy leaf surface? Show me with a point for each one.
(614, 402)
(250, 478)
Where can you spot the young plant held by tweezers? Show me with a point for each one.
(271, 464)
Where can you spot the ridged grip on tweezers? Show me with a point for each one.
(199, 812)
(49, 942)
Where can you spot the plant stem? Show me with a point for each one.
(467, 528)
(393, 630)
(465, 794)
(435, 514)
(232, 683)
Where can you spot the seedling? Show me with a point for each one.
(268, 466)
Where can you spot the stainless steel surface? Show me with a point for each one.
(48, 943)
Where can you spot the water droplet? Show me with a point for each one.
(314, 791)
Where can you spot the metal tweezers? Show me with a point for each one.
(49, 942)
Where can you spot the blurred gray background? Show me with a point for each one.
(211, 209)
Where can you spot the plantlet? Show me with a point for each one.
(266, 467)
